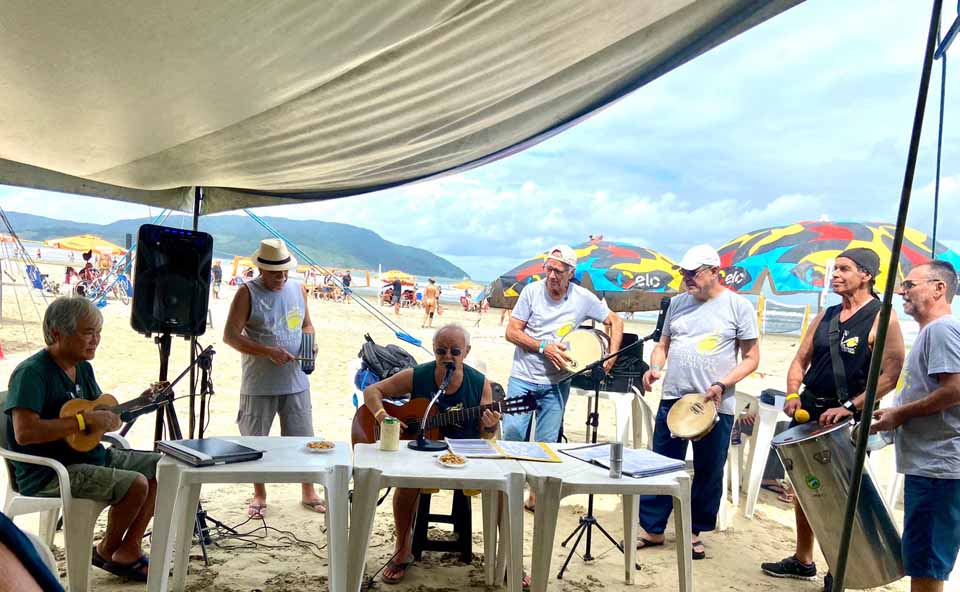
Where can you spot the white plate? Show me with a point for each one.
(319, 450)
(451, 465)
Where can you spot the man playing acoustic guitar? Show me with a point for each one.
(125, 479)
(467, 388)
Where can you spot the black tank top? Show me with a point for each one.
(854, 350)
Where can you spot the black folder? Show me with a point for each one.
(209, 451)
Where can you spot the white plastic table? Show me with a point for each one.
(374, 469)
(553, 481)
(286, 460)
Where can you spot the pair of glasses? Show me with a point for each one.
(554, 270)
(454, 351)
(911, 284)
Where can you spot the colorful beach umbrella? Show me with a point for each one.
(795, 257)
(86, 242)
(629, 277)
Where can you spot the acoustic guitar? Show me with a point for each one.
(87, 440)
(366, 429)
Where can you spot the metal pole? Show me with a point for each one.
(875, 360)
(197, 202)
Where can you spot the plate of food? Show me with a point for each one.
(320, 446)
(452, 461)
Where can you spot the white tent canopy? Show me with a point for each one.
(263, 103)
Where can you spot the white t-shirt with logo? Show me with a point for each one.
(703, 343)
(550, 320)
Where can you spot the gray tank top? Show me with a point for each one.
(276, 319)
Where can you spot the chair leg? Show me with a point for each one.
(463, 526)
(48, 526)
(78, 524)
(420, 525)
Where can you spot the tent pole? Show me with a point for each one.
(197, 201)
(863, 433)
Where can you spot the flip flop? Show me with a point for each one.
(531, 509)
(401, 569)
(318, 506)
(783, 494)
(131, 571)
(699, 554)
(97, 559)
(643, 543)
(257, 511)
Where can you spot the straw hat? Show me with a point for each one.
(272, 255)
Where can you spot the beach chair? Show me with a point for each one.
(79, 515)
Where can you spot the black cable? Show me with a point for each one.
(253, 539)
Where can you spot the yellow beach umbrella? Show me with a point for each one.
(86, 242)
(467, 285)
(396, 274)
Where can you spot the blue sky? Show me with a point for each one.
(805, 116)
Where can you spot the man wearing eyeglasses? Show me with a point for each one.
(832, 363)
(545, 312)
(705, 328)
(467, 388)
(927, 423)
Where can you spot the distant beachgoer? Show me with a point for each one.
(105, 262)
(397, 295)
(346, 280)
(216, 273)
(430, 295)
(38, 254)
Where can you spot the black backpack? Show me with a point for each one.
(384, 361)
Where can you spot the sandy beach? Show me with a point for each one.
(127, 362)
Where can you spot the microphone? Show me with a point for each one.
(664, 305)
(421, 443)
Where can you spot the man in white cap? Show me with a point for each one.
(267, 320)
(545, 312)
(704, 330)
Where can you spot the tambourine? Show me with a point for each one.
(692, 417)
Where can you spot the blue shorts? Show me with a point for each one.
(931, 526)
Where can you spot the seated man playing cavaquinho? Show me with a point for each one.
(467, 388)
(125, 479)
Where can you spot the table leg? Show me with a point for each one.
(548, 491)
(366, 487)
(338, 506)
(184, 521)
(683, 524)
(631, 517)
(491, 510)
(168, 482)
(514, 512)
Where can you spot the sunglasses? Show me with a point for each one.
(911, 284)
(454, 351)
(693, 272)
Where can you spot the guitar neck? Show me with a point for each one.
(460, 416)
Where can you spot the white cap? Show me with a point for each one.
(567, 255)
(699, 256)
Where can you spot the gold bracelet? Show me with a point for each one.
(81, 422)
(792, 396)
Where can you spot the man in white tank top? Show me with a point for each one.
(267, 320)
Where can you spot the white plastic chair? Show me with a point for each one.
(641, 419)
(79, 515)
(622, 410)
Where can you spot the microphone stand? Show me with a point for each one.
(589, 521)
(422, 443)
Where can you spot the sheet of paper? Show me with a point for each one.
(636, 462)
(535, 451)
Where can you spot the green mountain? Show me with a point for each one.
(329, 243)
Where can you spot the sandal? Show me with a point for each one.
(131, 571)
(784, 494)
(401, 572)
(97, 559)
(643, 543)
(698, 554)
(317, 506)
(257, 511)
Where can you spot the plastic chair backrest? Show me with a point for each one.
(4, 440)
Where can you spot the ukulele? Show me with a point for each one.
(88, 439)
(366, 429)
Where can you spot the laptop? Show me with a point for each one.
(209, 451)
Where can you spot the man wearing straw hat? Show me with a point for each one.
(267, 323)
(927, 423)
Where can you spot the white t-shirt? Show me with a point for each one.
(549, 320)
(703, 343)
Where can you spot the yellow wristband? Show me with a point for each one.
(377, 415)
(792, 396)
(81, 423)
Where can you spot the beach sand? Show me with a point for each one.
(127, 362)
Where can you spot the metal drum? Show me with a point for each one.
(819, 461)
(692, 417)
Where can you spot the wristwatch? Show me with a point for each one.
(723, 387)
(849, 406)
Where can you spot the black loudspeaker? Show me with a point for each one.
(627, 372)
(171, 281)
